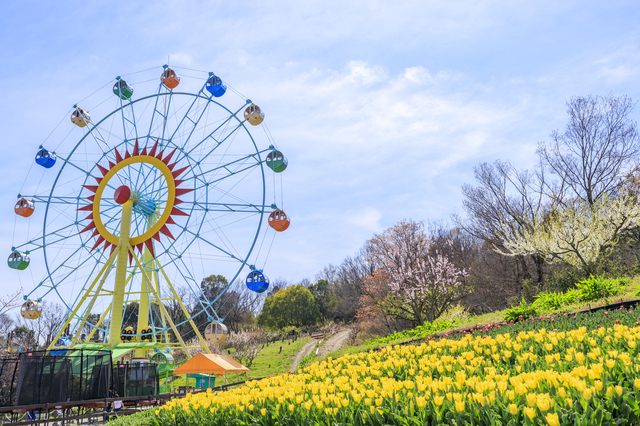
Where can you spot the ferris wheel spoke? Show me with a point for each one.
(238, 162)
(38, 246)
(51, 199)
(66, 161)
(230, 207)
(197, 112)
(220, 127)
(131, 121)
(165, 114)
(72, 270)
(217, 143)
(187, 277)
(212, 180)
(227, 253)
(101, 142)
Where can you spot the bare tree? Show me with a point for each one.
(10, 301)
(350, 278)
(597, 149)
(499, 207)
(47, 325)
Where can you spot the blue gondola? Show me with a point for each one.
(62, 342)
(45, 158)
(215, 86)
(257, 281)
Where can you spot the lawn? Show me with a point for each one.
(269, 362)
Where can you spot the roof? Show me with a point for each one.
(210, 364)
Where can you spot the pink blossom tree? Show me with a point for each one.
(421, 282)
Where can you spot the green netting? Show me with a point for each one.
(137, 379)
(76, 376)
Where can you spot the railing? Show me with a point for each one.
(88, 409)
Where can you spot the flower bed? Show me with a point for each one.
(537, 376)
(562, 322)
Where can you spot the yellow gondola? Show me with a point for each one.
(31, 310)
(80, 118)
(216, 332)
(254, 115)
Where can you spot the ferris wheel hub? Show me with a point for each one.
(122, 194)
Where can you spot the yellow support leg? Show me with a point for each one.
(115, 324)
(88, 310)
(75, 310)
(104, 315)
(162, 308)
(184, 309)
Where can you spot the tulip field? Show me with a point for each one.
(574, 370)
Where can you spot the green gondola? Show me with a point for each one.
(123, 90)
(18, 260)
(276, 161)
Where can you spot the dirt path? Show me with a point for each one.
(334, 343)
(306, 350)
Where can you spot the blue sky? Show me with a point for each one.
(382, 108)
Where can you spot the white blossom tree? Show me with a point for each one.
(247, 344)
(578, 233)
(421, 282)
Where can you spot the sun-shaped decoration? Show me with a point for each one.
(157, 206)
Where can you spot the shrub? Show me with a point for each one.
(455, 313)
(552, 301)
(595, 288)
(520, 312)
(419, 332)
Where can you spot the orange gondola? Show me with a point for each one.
(279, 221)
(24, 207)
(170, 78)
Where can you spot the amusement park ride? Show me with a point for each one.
(160, 185)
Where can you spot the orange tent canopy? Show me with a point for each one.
(210, 364)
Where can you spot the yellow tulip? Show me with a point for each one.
(543, 403)
(552, 419)
(619, 390)
(459, 406)
(513, 409)
(532, 399)
(530, 412)
(438, 400)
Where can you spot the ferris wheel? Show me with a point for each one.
(161, 191)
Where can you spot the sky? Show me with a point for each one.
(382, 108)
